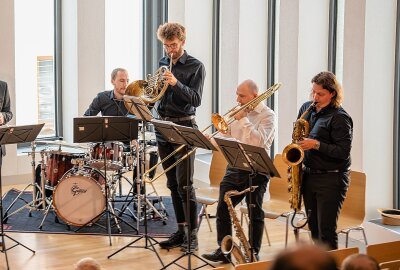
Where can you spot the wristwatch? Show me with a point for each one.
(317, 145)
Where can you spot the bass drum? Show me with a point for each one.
(79, 198)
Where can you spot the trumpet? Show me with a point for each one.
(221, 123)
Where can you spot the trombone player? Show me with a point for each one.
(185, 79)
(256, 127)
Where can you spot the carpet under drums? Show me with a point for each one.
(22, 221)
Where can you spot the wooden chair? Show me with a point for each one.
(278, 205)
(340, 254)
(216, 173)
(384, 252)
(261, 265)
(353, 211)
(391, 265)
(220, 268)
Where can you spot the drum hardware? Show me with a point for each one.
(39, 199)
(140, 111)
(137, 198)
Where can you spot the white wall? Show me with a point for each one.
(196, 16)
(377, 104)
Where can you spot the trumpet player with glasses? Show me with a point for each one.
(178, 104)
(255, 127)
(326, 157)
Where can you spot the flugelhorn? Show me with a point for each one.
(221, 123)
(151, 89)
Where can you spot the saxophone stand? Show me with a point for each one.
(191, 138)
(252, 159)
(12, 135)
(105, 129)
(138, 108)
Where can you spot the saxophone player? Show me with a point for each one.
(257, 128)
(326, 158)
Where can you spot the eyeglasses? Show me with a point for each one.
(171, 46)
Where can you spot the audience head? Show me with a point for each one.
(87, 264)
(360, 262)
(304, 257)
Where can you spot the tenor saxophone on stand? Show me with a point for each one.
(242, 252)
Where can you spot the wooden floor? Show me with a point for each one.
(60, 252)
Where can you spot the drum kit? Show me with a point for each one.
(73, 181)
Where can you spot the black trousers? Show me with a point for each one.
(239, 180)
(323, 196)
(178, 176)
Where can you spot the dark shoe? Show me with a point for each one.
(194, 243)
(257, 257)
(216, 256)
(175, 240)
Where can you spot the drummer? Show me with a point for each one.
(111, 102)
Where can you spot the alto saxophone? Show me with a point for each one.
(243, 252)
(293, 155)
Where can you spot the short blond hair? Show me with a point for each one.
(88, 264)
(169, 31)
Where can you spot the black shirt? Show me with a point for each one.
(105, 103)
(183, 98)
(333, 127)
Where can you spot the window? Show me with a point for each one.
(123, 38)
(34, 64)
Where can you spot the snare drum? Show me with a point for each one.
(57, 164)
(79, 197)
(113, 153)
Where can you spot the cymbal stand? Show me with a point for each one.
(38, 193)
(138, 198)
(149, 241)
(4, 249)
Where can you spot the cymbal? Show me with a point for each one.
(63, 143)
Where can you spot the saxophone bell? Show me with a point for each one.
(228, 246)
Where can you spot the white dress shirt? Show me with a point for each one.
(257, 128)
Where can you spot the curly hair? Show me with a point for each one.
(169, 31)
(328, 81)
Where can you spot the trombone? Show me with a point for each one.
(221, 123)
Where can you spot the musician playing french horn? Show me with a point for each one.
(185, 79)
(326, 157)
(255, 127)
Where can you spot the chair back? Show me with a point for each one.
(392, 265)
(217, 168)
(265, 265)
(340, 254)
(384, 252)
(353, 209)
(279, 185)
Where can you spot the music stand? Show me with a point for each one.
(103, 129)
(248, 158)
(12, 135)
(190, 137)
(140, 110)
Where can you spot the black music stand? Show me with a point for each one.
(140, 110)
(190, 137)
(103, 129)
(248, 158)
(12, 135)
